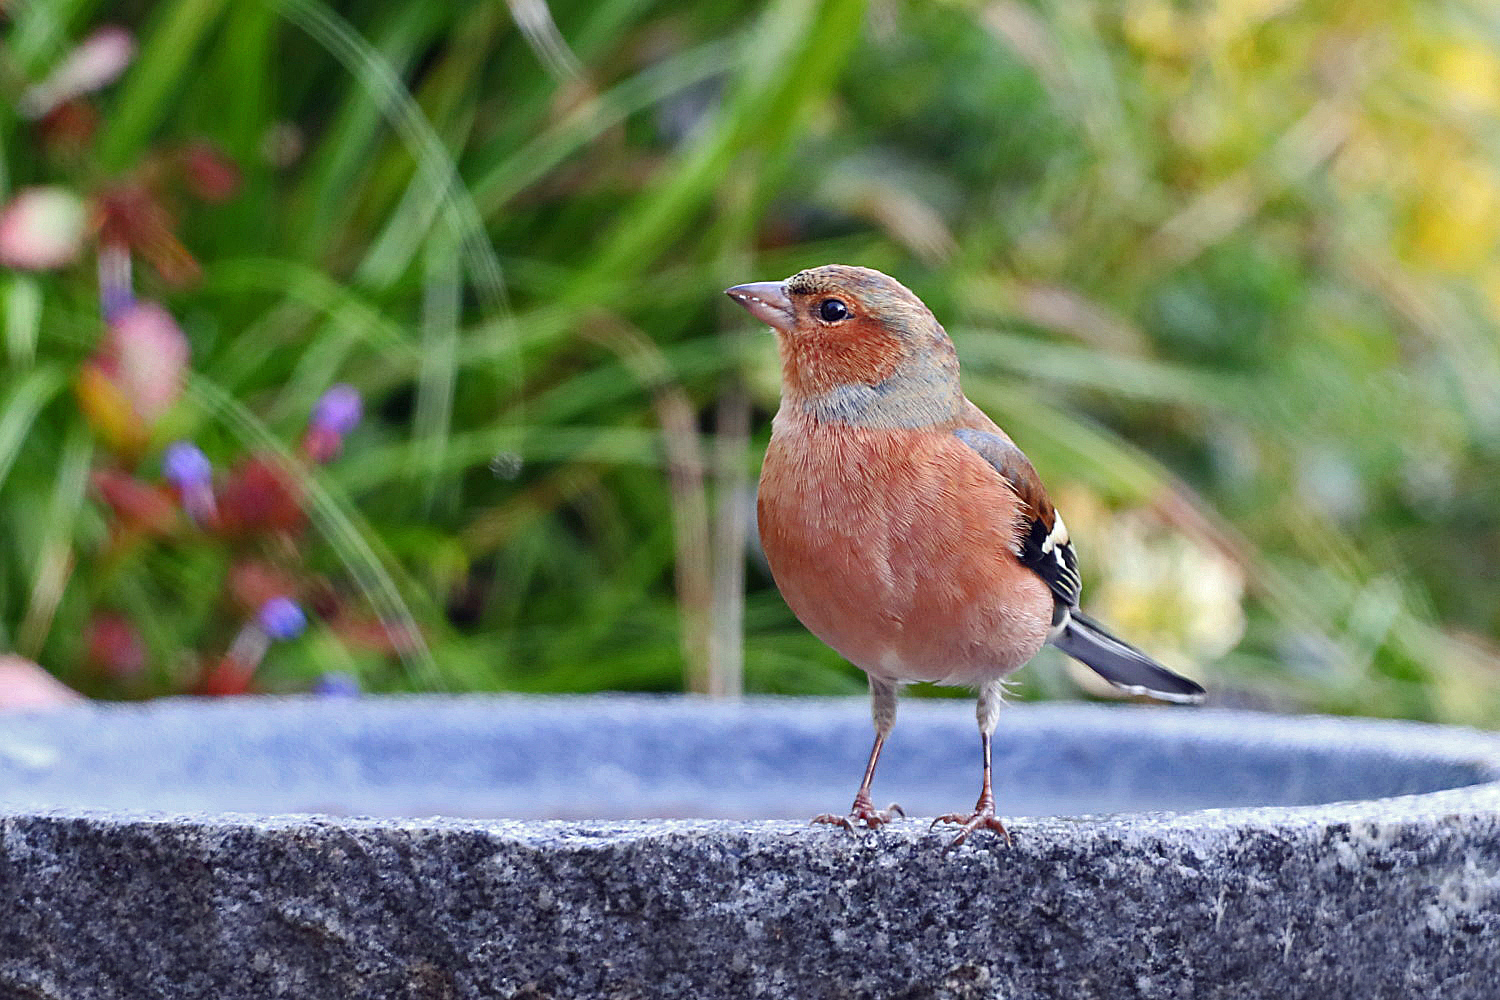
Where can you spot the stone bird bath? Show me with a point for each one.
(428, 848)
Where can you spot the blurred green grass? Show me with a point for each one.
(1226, 271)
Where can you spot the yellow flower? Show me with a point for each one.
(1457, 216)
(1469, 74)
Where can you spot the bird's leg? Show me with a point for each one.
(883, 712)
(983, 816)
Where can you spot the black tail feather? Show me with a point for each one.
(1120, 663)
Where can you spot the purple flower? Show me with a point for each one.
(338, 410)
(336, 685)
(280, 618)
(186, 467)
(115, 294)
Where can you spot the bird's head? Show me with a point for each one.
(857, 346)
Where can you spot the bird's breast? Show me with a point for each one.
(896, 547)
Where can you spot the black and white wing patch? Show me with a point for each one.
(1048, 552)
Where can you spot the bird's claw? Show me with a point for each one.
(862, 812)
(982, 818)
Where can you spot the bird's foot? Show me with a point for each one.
(982, 818)
(863, 811)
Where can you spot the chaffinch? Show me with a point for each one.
(904, 528)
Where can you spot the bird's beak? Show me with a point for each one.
(767, 301)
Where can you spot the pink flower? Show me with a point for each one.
(42, 228)
(95, 62)
(135, 377)
(24, 685)
(149, 355)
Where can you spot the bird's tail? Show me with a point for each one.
(1120, 663)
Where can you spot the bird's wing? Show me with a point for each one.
(1043, 547)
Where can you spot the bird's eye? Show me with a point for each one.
(832, 310)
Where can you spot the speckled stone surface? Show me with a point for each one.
(152, 852)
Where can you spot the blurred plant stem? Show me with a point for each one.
(687, 489)
(54, 556)
(726, 653)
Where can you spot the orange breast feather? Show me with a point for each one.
(896, 547)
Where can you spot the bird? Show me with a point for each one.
(903, 527)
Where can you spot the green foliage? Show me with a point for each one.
(1223, 270)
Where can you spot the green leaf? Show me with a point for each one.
(23, 401)
(162, 68)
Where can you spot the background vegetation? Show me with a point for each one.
(1225, 269)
